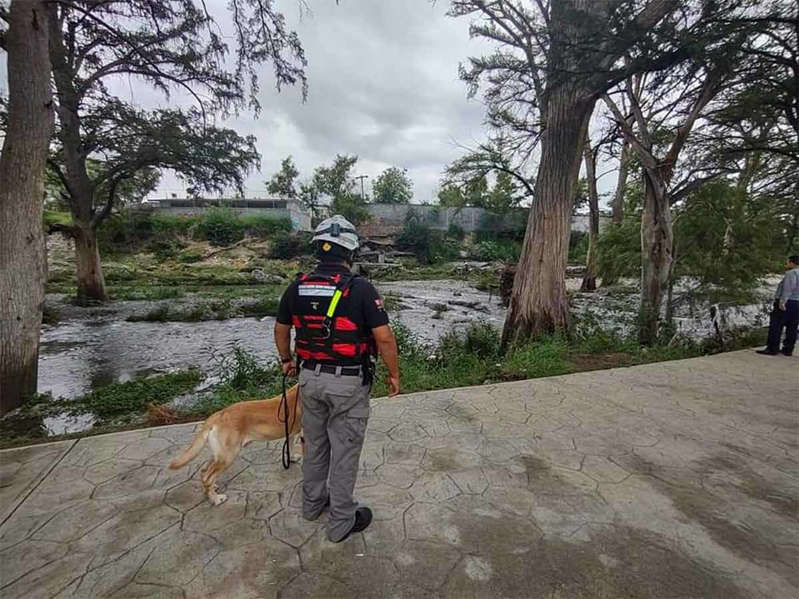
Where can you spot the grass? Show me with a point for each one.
(243, 378)
(134, 396)
(26, 424)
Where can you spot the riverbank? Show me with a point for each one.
(458, 359)
(212, 318)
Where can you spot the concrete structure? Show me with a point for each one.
(383, 217)
(270, 207)
(677, 479)
(468, 218)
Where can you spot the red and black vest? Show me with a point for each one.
(325, 334)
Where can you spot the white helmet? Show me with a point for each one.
(338, 230)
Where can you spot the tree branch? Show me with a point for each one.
(646, 157)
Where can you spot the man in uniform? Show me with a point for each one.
(340, 326)
(785, 313)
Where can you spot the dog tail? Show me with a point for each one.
(195, 447)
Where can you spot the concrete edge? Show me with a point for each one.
(7, 512)
(409, 395)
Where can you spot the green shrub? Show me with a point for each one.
(256, 225)
(243, 378)
(285, 245)
(427, 245)
(220, 226)
(578, 247)
(455, 232)
(165, 248)
(190, 255)
(619, 250)
(505, 250)
(125, 231)
(55, 217)
(174, 224)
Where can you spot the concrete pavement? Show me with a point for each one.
(676, 479)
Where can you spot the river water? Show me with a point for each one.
(93, 347)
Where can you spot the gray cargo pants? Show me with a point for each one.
(335, 409)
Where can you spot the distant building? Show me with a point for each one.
(386, 220)
(276, 208)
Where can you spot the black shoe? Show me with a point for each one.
(363, 518)
(767, 352)
(786, 353)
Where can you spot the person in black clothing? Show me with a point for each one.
(341, 325)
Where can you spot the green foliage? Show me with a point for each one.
(282, 182)
(125, 231)
(546, 357)
(351, 206)
(466, 180)
(393, 186)
(619, 250)
(220, 226)
(55, 217)
(173, 224)
(455, 232)
(451, 196)
(165, 248)
(286, 246)
(163, 234)
(723, 240)
(505, 250)
(133, 396)
(427, 245)
(578, 247)
(243, 378)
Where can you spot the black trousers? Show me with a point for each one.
(788, 318)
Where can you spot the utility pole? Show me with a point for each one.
(362, 177)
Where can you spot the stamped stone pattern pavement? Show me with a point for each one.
(676, 479)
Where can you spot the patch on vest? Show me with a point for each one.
(309, 289)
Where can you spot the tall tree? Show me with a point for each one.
(282, 182)
(664, 113)
(23, 264)
(393, 186)
(336, 182)
(470, 174)
(554, 60)
(590, 158)
(171, 46)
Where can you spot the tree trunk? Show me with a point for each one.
(656, 249)
(23, 262)
(589, 279)
(539, 302)
(621, 184)
(91, 282)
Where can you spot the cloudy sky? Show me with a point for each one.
(383, 85)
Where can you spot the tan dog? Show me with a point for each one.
(231, 428)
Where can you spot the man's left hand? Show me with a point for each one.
(783, 306)
(290, 368)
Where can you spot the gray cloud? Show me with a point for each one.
(384, 85)
(383, 78)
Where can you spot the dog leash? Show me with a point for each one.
(284, 406)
